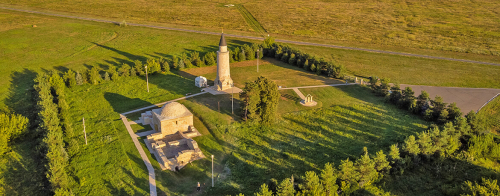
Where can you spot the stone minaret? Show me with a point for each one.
(223, 80)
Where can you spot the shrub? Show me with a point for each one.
(11, 127)
(78, 79)
(70, 79)
(175, 62)
(313, 67)
(241, 56)
(124, 70)
(139, 68)
(94, 76)
(153, 66)
(106, 76)
(306, 65)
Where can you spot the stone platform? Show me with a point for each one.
(214, 91)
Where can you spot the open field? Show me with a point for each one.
(110, 165)
(350, 119)
(438, 25)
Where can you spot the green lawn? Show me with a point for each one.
(491, 115)
(350, 118)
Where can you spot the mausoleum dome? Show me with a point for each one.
(173, 109)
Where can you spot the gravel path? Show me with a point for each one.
(252, 37)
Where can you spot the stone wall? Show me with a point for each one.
(182, 124)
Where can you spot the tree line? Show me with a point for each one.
(454, 137)
(303, 60)
(52, 121)
(432, 110)
(185, 61)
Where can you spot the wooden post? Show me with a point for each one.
(212, 170)
(85, 133)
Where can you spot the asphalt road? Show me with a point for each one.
(255, 38)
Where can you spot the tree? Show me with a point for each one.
(366, 168)
(312, 185)
(348, 174)
(188, 63)
(394, 154)
(269, 99)
(374, 84)
(453, 111)
(264, 191)
(488, 187)
(381, 162)
(313, 67)
(422, 103)
(106, 76)
(329, 179)
(425, 143)
(78, 79)
(70, 79)
(114, 75)
(251, 100)
(284, 57)
(286, 188)
(85, 75)
(165, 67)
(124, 70)
(241, 56)
(443, 117)
(94, 76)
(474, 122)
(175, 62)
(250, 53)
(279, 52)
(181, 64)
(268, 42)
(411, 146)
(408, 96)
(139, 68)
(11, 127)
(153, 66)
(210, 58)
(437, 107)
(383, 89)
(261, 53)
(237, 54)
(292, 59)
(133, 72)
(306, 65)
(395, 95)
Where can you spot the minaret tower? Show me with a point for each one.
(223, 80)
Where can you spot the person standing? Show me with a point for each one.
(199, 187)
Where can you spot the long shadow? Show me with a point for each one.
(446, 177)
(20, 99)
(122, 103)
(123, 53)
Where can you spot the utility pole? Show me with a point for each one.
(257, 60)
(232, 98)
(147, 81)
(218, 105)
(212, 170)
(84, 133)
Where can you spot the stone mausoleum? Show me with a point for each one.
(171, 143)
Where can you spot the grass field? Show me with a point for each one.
(491, 115)
(438, 25)
(347, 121)
(251, 21)
(110, 165)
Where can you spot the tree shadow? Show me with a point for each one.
(21, 99)
(122, 103)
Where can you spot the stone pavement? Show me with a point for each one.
(467, 99)
(299, 93)
(151, 170)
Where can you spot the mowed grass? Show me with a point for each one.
(491, 115)
(350, 119)
(283, 74)
(465, 27)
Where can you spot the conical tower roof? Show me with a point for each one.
(222, 40)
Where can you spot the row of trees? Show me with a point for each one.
(12, 126)
(154, 66)
(52, 112)
(352, 175)
(306, 61)
(432, 110)
(260, 100)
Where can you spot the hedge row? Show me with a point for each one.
(301, 59)
(52, 111)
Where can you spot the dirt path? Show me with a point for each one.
(254, 38)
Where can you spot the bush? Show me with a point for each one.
(11, 127)
(242, 56)
(124, 70)
(70, 79)
(79, 78)
(139, 68)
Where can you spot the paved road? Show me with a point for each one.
(467, 99)
(151, 170)
(255, 38)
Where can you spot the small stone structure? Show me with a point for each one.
(308, 101)
(171, 143)
(200, 81)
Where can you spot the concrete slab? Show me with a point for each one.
(467, 99)
(227, 91)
